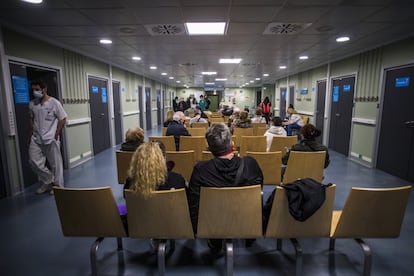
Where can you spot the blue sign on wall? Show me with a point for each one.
(95, 89)
(335, 94)
(20, 90)
(402, 82)
(304, 91)
(103, 95)
(347, 87)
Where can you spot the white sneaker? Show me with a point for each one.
(44, 188)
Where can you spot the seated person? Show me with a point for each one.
(275, 130)
(308, 134)
(221, 171)
(243, 121)
(177, 128)
(169, 118)
(295, 121)
(258, 116)
(197, 118)
(227, 110)
(134, 137)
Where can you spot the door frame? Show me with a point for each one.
(324, 130)
(121, 108)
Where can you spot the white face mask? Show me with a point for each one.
(37, 94)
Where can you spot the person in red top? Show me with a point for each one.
(265, 106)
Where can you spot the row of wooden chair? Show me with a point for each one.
(229, 213)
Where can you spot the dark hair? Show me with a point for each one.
(218, 137)
(277, 121)
(310, 132)
(246, 109)
(266, 100)
(41, 83)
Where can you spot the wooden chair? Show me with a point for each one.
(230, 213)
(89, 212)
(282, 225)
(187, 123)
(168, 141)
(164, 131)
(303, 164)
(305, 119)
(164, 215)
(270, 163)
(198, 125)
(256, 126)
(239, 132)
(195, 143)
(184, 162)
(261, 131)
(123, 159)
(280, 143)
(252, 143)
(216, 120)
(370, 213)
(197, 131)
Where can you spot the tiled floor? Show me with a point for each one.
(32, 242)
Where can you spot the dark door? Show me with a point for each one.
(99, 114)
(117, 112)
(159, 109)
(3, 192)
(258, 97)
(141, 107)
(396, 139)
(342, 103)
(282, 105)
(148, 107)
(320, 107)
(22, 75)
(291, 95)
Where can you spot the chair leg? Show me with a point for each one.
(367, 256)
(120, 246)
(279, 244)
(229, 257)
(298, 250)
(93, 251)
(332, 244)
(161, 257)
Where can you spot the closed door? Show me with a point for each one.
(98, 98)
(291, 95)
(148, 107)
(282, 104)
(159, 108)
(258, 97)
(396, 139)
(117, 112)
(141, 106)
(342, 103)
(320, 107)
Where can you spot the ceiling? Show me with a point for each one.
(252, 34)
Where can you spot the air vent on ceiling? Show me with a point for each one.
(165, 29)
(285, 28)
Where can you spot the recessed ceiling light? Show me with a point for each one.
(230, 60)
(303, 57)
(342, 39)
(153, 67)
(209, 73)
(282, 67)
(206, 28)
(105, 41)
(33, 1)
(163, 74)
(221, 79)
(251, 81)
(136, 58)
(257, 78)
(209, 83)
(264, 88)
(171, 78)
(265, 75)
(178, 81)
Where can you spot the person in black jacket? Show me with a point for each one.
(134, 137)
(220, 171)
(177, 128)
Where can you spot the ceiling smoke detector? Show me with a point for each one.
(165, 29)
(285, 28)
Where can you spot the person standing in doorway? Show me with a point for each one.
(202, 103)
(47, 118)
(265, 106)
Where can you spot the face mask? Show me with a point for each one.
(37, 94)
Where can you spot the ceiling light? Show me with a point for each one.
(342, 39)
(171, 78)
(178, 81)
(136, 58)
(257, 78)
(33, 1)
(265, 75)
(209, 73)
(209, 83)
(206, 28)
(221, 79)
(105, 41)
(230, 60)
(163, 74)
(264, 88)
(303, 57)
(251, 81)
(153, 67)
(282, 67)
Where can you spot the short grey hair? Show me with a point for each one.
(179, 115)
(218, 137)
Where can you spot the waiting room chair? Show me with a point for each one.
(216, 120)
(89, 212)
(198, 125)
(196, 143)
(370, 213)
(239, 132)
(164, 131)
(270, 163)
(168, 141)
(230, 213)
(256, 126)
(280, 143)
(184, 162)
(252, 143)
(123, 159)
(282, 225)
(261, 131)
(302, 164)
(197, 131)
(164, 215)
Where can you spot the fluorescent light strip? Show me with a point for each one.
(230, 60)
(221, 79)
(206, 28)
(209, 73)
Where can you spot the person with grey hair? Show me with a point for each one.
(177, 128)
(224, 170)
(197, 118)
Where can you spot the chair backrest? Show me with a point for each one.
(168, 141)
(304, 164)
(164, 131)
(216, 120)
(239, 132)
(270, 163)
(256, 126)
(197, 131)
(230, 212)
(198, 125)
(283, 225)
(184, 162)
(371, 213)
(195, 143)
(261, 131)
(279, 143)
(305, 119)
(252, 143)
(88, 212)
(123, 159)
(163, 215)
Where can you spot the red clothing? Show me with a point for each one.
(265, 107)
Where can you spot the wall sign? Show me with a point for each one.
(95, 89)
(347, 87)
(103, 95)
(20, 90)
(402, 82)
(335, 94)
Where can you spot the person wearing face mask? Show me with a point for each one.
(47, 118)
